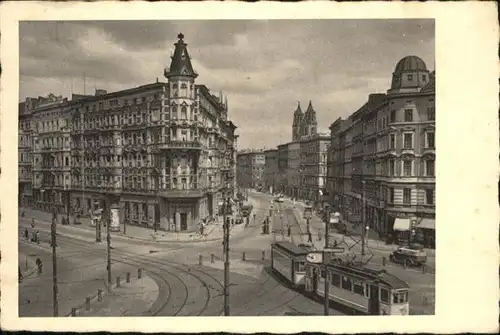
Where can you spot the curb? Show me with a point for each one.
(144, 239)
(107, 289)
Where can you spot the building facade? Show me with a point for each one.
(250, 169)
(25, 152)
(271, 170)
(282, 168)
(384, 154)
(293, 172)
(313, 157)
(163, 153)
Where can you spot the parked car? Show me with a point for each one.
(413, 255)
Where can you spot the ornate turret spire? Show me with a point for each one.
(298, 115)
(181, 62)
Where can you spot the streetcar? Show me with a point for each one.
(289, 261)
(359, 288)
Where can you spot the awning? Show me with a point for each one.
(401, 224)
(427, 224)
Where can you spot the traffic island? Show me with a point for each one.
(129, 296)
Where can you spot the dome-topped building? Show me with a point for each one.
(409, 76)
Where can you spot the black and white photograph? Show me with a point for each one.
(233, 168)
(165, 168)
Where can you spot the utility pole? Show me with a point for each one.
(108, 238)
(54, 264)
(226, 256)
(363, 223)
(325, 261)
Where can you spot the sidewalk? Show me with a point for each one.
(317, 226)
(213, 231)
(130, 299)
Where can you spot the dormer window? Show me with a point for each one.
(424, 77)
(174, 86)
(410, 77)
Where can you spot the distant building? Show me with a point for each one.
(304, 124)
(163, 153)
(250, 169)
(281, 179)
(386, 151)
(271, 170)
(313, 166)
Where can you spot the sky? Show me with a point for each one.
(265, 67)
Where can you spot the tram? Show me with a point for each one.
(289, 261)
(359, 288)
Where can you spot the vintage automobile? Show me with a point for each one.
(413, 255)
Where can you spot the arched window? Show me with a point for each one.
(183, 113)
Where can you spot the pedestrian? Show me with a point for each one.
(26, 234)
(289, 230)
(40, 265)
(37, 237)
(32, 223)
(309, 236)
(21, 277)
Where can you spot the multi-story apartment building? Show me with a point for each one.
(25, 151)
(293, 172)
(313, 166)
(162, 153)
(281, 178)
(270, 170)
(387, 151)
(51, 124)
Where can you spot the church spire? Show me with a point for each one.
(181, 62)
(310, 115)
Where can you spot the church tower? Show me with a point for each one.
(310, 125)
(297, 123)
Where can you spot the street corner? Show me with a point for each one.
(129, 296)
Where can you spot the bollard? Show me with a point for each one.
(128, 277)
(73, 312)
(263, 254)
(212, 257)
(201, 260)
(99, 295)
(87, 304)
(139, 273)
(383, 261)
(423, 268)
(243, 256)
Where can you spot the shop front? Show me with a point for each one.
(426, 232)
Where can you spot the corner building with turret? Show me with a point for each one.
(161, 154)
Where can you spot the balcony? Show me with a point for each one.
(175, 145)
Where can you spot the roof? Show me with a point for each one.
(431, 85)
(371, 272)
(410, 63)
(181, 62)
(290, 247)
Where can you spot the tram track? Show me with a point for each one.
(181, 273)
(180, 279)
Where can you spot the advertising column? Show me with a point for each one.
(115, 218)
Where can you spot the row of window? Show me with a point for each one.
(360, 288)
(407, 192)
